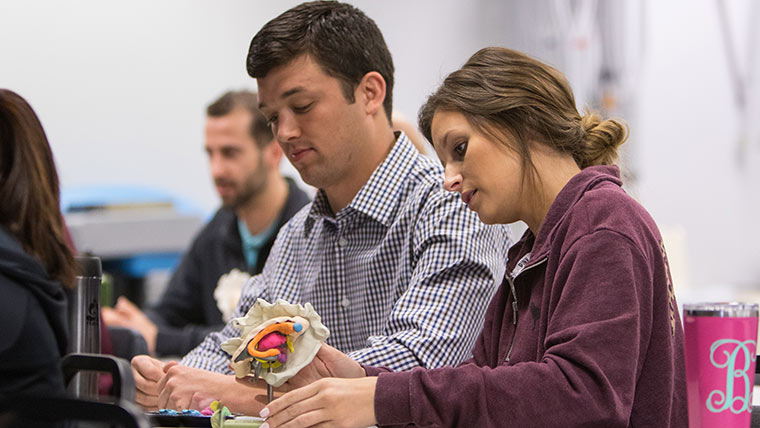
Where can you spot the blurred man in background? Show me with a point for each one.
(256, 201)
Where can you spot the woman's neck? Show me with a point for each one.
(554, 171)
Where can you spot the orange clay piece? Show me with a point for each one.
(285, 328)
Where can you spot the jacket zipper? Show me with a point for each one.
(511, 281)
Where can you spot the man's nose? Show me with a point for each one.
(216, 165)
(287, 128)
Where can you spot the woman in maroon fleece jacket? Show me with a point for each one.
(584, 330)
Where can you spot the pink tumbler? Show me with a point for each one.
(720, 351)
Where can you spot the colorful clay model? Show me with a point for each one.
(276, 341)
(269, 347)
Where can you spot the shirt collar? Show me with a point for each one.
(378, 197)
(254, 241)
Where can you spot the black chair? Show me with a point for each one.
(115, 410)
(121, 372)
(27, 412)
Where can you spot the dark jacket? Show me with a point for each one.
(33, 318)
(596, 340)
(187, 310)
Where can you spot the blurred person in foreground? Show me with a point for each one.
(584, 330)
(36, 261)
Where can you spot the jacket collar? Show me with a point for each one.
(573, 191)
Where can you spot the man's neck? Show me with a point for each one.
(343, 192)
(264, 209)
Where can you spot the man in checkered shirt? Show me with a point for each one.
(399, 270)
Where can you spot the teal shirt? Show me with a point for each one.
(252, 244)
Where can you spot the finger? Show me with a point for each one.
(111, 317)
(115, 318)
(146, 401)
(162, 383)
(169, 365)
(199, 403)
(281, 404)
(145, 386)
(142, 381)
(299, 417)
(149, 368)
(179, 401)
(123, 302)
(163, 397)
(330, 354)
(163, 391)
(325, 349)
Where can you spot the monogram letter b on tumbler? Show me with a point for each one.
(720, 351)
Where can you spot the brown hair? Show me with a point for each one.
(345, 42)
(249, 101)
(504, 92)
(29, 190)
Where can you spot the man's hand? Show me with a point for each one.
(148, 372)
(126, 314)
(329, 362)
(185, 387)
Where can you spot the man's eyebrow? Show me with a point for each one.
(293, 91)
(286, 94)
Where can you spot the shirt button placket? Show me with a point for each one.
(342, 242)
(340, 286)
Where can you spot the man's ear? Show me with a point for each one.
(371, 92)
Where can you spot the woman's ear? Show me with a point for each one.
(371, 92)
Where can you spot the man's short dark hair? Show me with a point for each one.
(244, 100)
(344, 41)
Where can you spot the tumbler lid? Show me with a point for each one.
(721, 309)
(89, 266)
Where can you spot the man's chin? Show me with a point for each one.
(229, 204)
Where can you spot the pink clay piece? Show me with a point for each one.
(271, 340)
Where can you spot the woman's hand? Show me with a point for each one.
(327, 402)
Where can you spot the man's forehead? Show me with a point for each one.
(298, 76)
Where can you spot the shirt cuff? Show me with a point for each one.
(374, 371)
(393, 398)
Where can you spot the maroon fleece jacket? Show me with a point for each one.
(595, 339)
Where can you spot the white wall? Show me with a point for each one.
(690, 174)
(121, 89)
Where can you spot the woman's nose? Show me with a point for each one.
(452, 180)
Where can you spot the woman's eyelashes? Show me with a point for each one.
(460, 149)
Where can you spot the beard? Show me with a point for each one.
(253, 185)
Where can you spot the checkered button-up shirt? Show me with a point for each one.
(401, 276)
